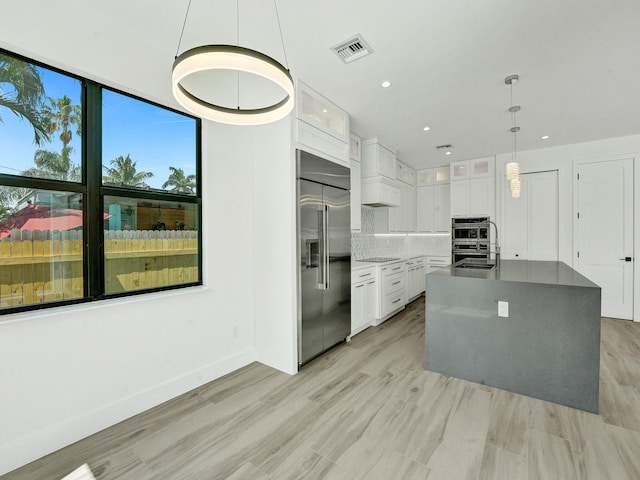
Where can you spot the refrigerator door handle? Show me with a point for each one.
(321, 244)
(325, 235)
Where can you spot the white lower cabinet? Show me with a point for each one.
(415, 277)
(364, 298)
(393, 293)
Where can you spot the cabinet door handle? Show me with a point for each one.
(365, 275)
(397, 268)
(369, 283)
(395, 283)
(360, 286)
(626, 259)
(396, 301)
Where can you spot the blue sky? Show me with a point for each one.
(153, 137)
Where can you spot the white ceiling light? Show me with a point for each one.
(385, 84)
(234, 58)
(512, 167)
(545, 137)
(426, 129)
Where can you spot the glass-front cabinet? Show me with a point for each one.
(320, 112)
(321, 127)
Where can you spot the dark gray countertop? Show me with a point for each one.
(527, 271)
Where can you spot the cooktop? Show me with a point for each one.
(378, 259)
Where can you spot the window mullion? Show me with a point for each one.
(94, 235)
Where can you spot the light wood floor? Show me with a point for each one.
(368, 410)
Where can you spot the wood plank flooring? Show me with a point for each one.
(368, 410)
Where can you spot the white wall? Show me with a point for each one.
(563, 159)
(68, 372)
(274, 210)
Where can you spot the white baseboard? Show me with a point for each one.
(26, 449)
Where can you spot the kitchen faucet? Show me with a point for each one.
(497, 243)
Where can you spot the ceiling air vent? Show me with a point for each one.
(444, 147)
(352, 49)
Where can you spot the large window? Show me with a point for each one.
(99, 191)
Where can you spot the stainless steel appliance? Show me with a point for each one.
(324, 247)
(470, 238)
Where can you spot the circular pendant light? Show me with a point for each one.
(230, 57)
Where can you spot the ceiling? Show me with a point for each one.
(578, 61)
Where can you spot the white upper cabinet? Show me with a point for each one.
(441, 174)
(433, 200)
(425, 209)
(317, 110)
(405, 173)
(473, 187)
(378, 159)
(426, 176)
(432, 176)
(355, 148)
(356, 182)
(442, 208)
(321, 127)
(356, 197)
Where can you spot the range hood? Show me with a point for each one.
(380, 191)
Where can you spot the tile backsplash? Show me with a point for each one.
(367, 244)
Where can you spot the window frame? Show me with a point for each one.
(93, 192)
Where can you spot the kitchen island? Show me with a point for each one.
(530, 327)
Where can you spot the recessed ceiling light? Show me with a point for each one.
(448, 153)
(324, 110)
(544, 137)
(426, 129)
(386, 84)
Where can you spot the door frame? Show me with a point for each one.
(635, 215)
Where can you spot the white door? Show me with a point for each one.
(531, 221)
(604, 232)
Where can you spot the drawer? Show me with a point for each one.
(393, 268)
(363, 274)
(439, 261)
(393, 301)
(394, 282)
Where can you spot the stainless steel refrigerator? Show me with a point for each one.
(324, 248)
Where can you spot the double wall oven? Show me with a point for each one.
(470, 238)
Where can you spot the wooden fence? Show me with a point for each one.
(43, 266)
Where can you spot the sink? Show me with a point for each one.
(479, 266)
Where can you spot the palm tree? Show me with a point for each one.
(9, 197)
(123, 171)
(60, 115)
(54, 165)
(24, 95)
(180, 182)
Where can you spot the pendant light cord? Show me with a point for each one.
(286, 62)
(513, 126)
(238, 44)
(183, 25)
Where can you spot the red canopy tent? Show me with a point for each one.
(42, 217)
